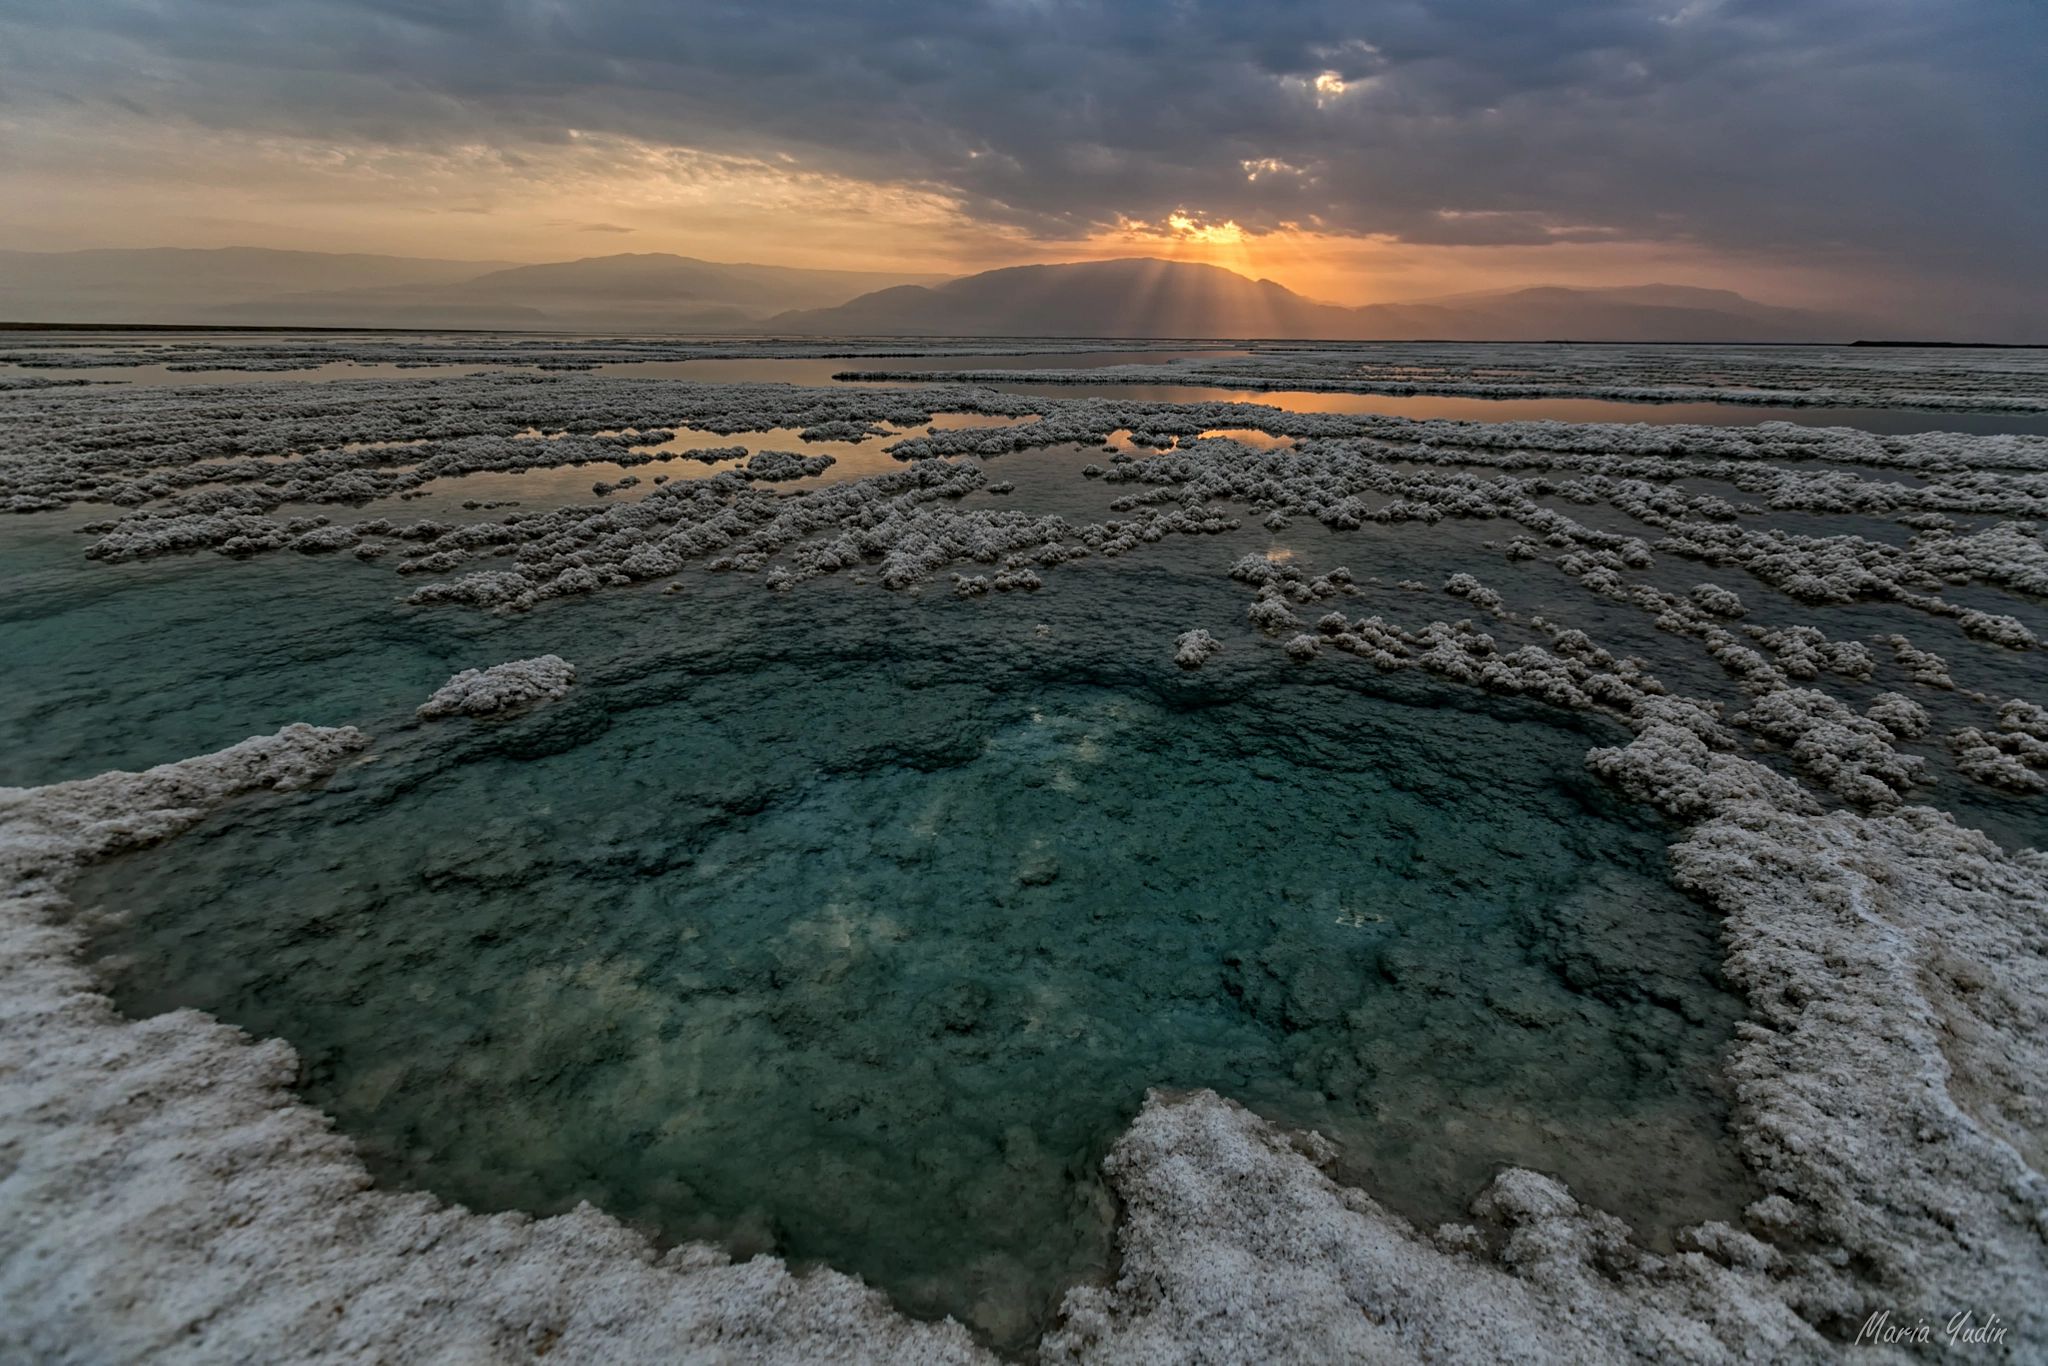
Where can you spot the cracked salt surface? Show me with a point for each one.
(973, 867)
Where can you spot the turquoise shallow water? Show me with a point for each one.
(854, 925)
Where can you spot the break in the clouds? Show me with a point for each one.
(1910, 134)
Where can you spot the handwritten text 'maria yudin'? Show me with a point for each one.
(1961, 1330)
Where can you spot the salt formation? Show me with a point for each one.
(1473, 591)
(1230, 1225)
(1930, 669)
(1894, 979)
(1804, 651)
(1193, 649)
(1899, 714)
(1718, 600)
(2000, 759)
(780, 466)
(2011, 757)
(1889, 1079)
(167, 1199)
(205, 480)
(1235, 1246)
(2000, 630)
(1303, 648)
(501, 688)
(1887, 1083)
(1851, 754)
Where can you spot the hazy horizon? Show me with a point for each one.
(674, 294)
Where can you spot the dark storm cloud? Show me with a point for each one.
(1885, 126)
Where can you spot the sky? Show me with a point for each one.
(1882, 156)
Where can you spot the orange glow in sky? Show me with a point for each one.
(135, 184)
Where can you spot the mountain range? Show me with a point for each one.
(1148, 298)
(661, 293)
(253, 286)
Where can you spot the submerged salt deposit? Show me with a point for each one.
(1816, 650)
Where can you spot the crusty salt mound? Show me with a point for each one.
(781, 466)
(501, 688)
(1236, 1248)
(1193, 649)
(1890, 1079)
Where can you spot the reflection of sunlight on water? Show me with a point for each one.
(573, 483)
(1884, 422)
(1429, 406)
(796, 370)
(393, 445)
(946, 422)
(1247, 436)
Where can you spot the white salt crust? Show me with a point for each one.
(1888, 1083)
(1193, 649)
(516, 686)
(165, 1198)
(168, 1199)
(2013, 756)
(204, 470)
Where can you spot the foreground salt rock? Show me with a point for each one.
(1237, 1248)
(1193, 649)
(501, 688)
(165, 1197)
(1889, 1082)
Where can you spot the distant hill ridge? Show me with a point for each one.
(1139, 297)
(648, 291)
(1149, 298)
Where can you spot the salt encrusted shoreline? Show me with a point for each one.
(169, 1199)
(1888, 1102)
(165, 1197)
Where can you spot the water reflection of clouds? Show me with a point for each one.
(1250, 436)
(566, 484)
